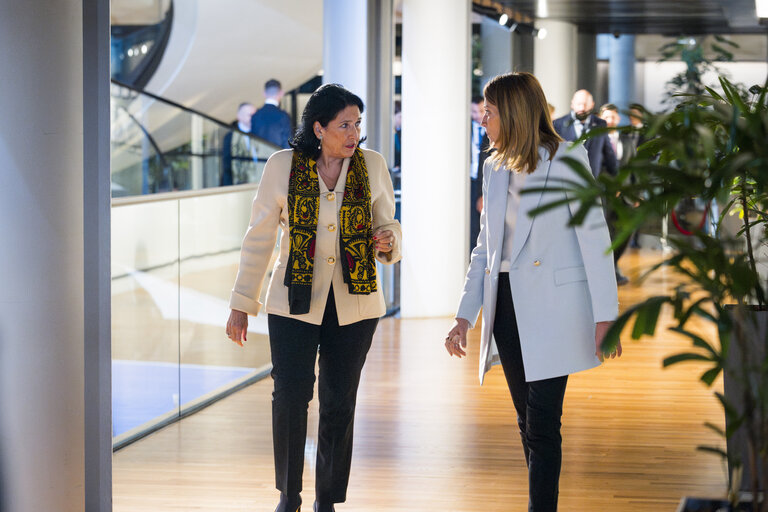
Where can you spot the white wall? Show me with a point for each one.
(221, 52)
(497, 49)
(656, 74)
(555, 63)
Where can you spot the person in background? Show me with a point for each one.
(602, 158)
(270, 122)
(551, 110)
(238, 152)
(622, 146)
(546, 289)
(334, 206)
(633, 140)
(636, 139)
(478, 153)
(581, 119)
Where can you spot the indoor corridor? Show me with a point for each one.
(428, 437)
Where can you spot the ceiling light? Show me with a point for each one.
(503, 19)
(542, 9)
(761, 8)
(541, 33)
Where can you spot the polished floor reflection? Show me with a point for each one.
(428, 437)
(166, 341)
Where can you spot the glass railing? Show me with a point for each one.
(160, 146)
(174, 260)
(176, 235)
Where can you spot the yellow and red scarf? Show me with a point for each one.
(356, 230)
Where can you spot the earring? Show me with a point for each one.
(320, 143)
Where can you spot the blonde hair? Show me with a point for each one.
(524, 119)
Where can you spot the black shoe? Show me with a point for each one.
(289, 504)
(621, 279)
(325, 507)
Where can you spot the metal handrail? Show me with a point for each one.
(189, 110)
(181, 194)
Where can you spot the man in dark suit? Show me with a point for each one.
(602, 157)
(478, 151)
(625, 147)
(581, 119)
(270, 122)
(624, 144)
(238, 150)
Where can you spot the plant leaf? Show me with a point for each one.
(684, 356)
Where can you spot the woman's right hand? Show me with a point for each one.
(237, 326)
(456, 341)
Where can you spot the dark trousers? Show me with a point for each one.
(342, 351)
(610, 219)
(539, 406)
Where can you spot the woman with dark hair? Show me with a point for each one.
(547, 289)
(335, 206)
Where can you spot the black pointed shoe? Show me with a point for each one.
(289, 504)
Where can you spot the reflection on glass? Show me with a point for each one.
(173, 264)
(240, 159)
(160, 147)
(212, 229)
(145, 311)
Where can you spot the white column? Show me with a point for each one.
(555, 63)
(381, 49)
(435, 155)
(497, 49)
(49, 234)
(345, 46)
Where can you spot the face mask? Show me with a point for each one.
(582, 116)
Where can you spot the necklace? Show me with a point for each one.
(329, 180)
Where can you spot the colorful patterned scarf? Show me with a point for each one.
(356, 230)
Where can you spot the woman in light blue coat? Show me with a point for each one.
(547, 290)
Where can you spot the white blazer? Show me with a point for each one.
(270, 212)
(562, 279)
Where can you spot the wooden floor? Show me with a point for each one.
(428, 437)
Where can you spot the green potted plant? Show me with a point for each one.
(713, 147)
(700, 55)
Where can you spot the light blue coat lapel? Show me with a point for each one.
(498, 185)
(528, 202)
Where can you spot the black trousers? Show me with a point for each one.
(343, 349)
(611, 218)
(539, 406)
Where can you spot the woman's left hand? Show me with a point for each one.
(600, 329)
(384, 239)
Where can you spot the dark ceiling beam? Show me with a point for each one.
(513, 14)
(649, 16)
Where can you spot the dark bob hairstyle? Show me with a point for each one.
(323, 106)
